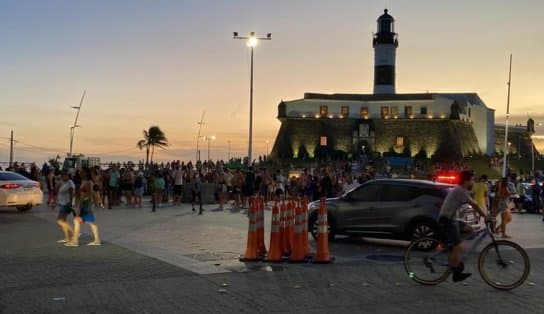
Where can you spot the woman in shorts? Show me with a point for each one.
(85, 212)
(65, 197)
(128, 185)
(138, 189)
(97, 187)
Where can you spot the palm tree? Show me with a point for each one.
(152, 137)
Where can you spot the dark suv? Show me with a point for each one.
(388, 208)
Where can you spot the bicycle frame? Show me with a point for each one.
(478, 239)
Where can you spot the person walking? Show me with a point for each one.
(65, 196)
(197, 192)
(128, 186)
(504, 206)
(52, 188)
(85, 211)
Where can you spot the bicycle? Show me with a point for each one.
(502, 264)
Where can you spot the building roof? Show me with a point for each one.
(461, 98)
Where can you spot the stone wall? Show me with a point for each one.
(448, 139)
(451, 139)
(519, 138)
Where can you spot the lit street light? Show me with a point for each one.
(251, 41)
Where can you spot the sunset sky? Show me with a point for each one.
(164, 62)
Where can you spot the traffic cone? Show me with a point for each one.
(305, 226)
(260, 227)
(298, 254)
(291, 223)
(322, 254)
(252, 249)
(285, 247)
(275, 253)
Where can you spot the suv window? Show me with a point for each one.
(372, 192)
(401, 193)
(10, 176)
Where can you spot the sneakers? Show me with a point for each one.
(94, 243)
(62, 241)
(71, 244)
(458, 274)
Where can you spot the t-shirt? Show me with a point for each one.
(160, 183)
(457, 197)
(178, 177)
(63, 197)
(114, 179)
(480, 191)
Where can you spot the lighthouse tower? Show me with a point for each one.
(385, 45)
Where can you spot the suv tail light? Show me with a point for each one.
(9, 186)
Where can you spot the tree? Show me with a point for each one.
(152, 137)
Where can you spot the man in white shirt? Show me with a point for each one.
(178, 185)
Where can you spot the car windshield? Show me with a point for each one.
(11, 176)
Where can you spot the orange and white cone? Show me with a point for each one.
(275, 253)
(322, 254)
(298, 253)
(252, 249)
(260, 227)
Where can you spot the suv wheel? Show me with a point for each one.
(422, 229)
(330, 227)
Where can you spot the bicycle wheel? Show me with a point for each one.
(504, 265)
(426, 261)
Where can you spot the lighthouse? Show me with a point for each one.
(385, 45)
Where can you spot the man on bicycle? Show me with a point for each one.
(452, 228)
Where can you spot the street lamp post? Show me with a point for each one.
(209, 139)
(252, 41)
(228, 150)
(507, 120)
(532, 154)
(75, 125)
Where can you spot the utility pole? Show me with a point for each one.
(506, 148)
(11, 150)
(228, 151)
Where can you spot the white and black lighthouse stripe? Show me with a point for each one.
(385, 45)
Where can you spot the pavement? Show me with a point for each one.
(175, 261)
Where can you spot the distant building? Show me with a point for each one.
(448, 125)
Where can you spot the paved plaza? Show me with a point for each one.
(175, 261)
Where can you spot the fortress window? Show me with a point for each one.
(423, 110)
(394, 111)
(345, 111)
(364, 112)
(469, 112)
(408, 111)
(323, 110)
(385, 112)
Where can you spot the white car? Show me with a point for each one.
(18, 191)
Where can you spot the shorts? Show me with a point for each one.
(86, 213)
(64, 212)
(452, 230)
(139, 191)
(178, 189)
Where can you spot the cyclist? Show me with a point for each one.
(452, 228)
